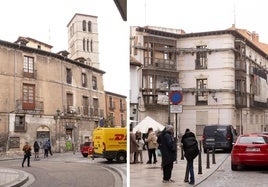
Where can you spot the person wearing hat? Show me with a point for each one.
(190, 147)
(27, 154)
(167, 147)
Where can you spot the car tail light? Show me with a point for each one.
(238, 148)
(229, 137)
(203, 137)
(266, 147)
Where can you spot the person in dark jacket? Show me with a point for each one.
(190, 147)
(36, 150)
(27, 154)
(49, 147)
(133, 146)
(46, 149)
(167, 147)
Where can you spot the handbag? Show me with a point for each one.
(28, 153)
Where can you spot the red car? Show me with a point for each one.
(87, 149)
(250, 150)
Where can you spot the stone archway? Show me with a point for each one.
(42, 135)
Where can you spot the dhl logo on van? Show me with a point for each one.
(98, 137)
(119, 137)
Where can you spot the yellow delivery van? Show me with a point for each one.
(110, 143)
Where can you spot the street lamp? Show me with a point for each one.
(58, 129)
(169, 83)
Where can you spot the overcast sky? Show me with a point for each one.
(47, 21)
(202, 15)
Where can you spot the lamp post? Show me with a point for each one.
(58, 129)
(169, 83)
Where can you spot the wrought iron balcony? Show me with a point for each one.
(29, 106)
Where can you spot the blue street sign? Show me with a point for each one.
(175, 97)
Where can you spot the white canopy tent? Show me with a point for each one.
(146, 123)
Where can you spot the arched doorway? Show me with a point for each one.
(42, 135)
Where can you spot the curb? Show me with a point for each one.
(19, 181)
(123, 179)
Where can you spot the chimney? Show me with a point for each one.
(255, 36)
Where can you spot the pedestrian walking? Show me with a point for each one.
(46, 149)
(27, 154)
(167, 147)
(190, 148)
(139, 151)
(133, 146)
(49, 147)
(152, 145)
(36, 150)
(144, 137)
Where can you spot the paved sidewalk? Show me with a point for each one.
(151, 175)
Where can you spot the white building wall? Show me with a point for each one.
(221, 77)
(134, 84)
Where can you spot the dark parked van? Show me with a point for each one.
(219, 137)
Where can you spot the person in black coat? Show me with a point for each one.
(36, 150)
(167, 146)
(190, 147)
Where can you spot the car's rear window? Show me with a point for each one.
(87, 144)
(252, 140)
(212, 130)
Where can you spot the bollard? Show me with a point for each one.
(186, 178)
(176, 141)
(213, 156)
(182, 157)
(200, 145)
(199, 163)
(208, 159)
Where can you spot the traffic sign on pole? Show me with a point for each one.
(175, 97)
(175, 109)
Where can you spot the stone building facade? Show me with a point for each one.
(222, 74)
(46, 95)
(116, 110)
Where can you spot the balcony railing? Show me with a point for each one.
(257, 104)
(32, 75)
(240, 65)
(70, 109)
(22, 105)
(201, 63)
(240, 99)
(158, 63)
(96, 112)
(20, 127)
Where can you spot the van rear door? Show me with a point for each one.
(221, 134)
